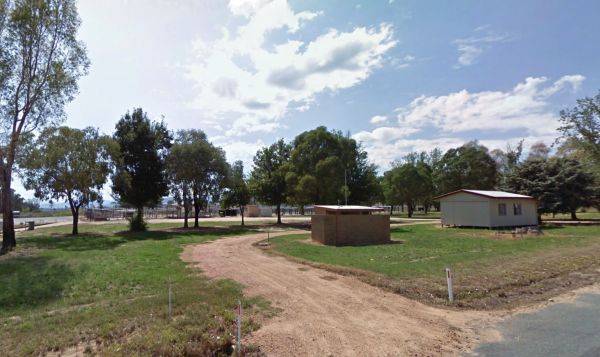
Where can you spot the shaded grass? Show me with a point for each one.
(419, 214)
(489, 270)
(106, 290)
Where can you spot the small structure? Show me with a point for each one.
(349, 225)
(487, 209)
(257, 211)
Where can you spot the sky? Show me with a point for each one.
(399, 76)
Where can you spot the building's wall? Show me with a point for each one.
(350, 229)
(251, 211)
(463, 209)
(363, 229)
(323, 228)
(266, 211)
(528, 215)
(468, 210)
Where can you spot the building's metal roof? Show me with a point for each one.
(491, 194)
(350, 208)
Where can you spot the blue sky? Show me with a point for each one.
(398, 75)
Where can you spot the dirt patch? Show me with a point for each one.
(329, 277)
(333, 317)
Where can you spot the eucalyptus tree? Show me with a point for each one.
(267, 179)
(237, 193)
(41, 60)
(70, 164)
(469, 166)
(197, 171)
(327, 167)
(581, 124)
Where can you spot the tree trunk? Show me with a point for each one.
(279, 213)
(410, 209)
(574, 215)
(196, 203)
(75, 230)
(242, 212)
(391, 210)
(8, 225)
(74, 213)
(196, 214)
(186, 208)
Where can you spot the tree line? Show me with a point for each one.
(41, 61)
(562, 182)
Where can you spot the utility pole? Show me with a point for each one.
(345, 188)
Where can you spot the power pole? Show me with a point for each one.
(345, 188)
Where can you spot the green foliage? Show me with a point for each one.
(40, 63)
(268, 178)
(137, 223)
(237, 193)
(506, 161)
(140, 175)
(410, 183)
(17, 202)
(581, 124)
(318, 161)
(70, 164)
(197, 170)
(561, 185)
(467, 167)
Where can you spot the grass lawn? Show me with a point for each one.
(489, 271)
(580, 215)
(106, 290)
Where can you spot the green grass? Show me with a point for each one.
(580, 215)
(107, 290)
(483, 264)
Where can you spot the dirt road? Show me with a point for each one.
(326, 314)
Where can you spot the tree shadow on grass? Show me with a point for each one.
(100, 241)
(32, 281)
(399, 230)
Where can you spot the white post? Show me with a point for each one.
(170, 298)
(449, 279)
(239, 329)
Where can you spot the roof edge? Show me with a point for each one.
(437, 198)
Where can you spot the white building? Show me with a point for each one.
(488, 209)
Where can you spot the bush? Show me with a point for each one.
(137, 223)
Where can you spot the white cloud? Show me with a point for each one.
(378, 119)
(402, 62)
(239, 150)
(252, 84)
(471, 48)
(449, 120)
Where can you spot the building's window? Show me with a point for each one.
(502, 209)
(517, 209)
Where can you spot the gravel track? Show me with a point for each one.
(327, 314)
